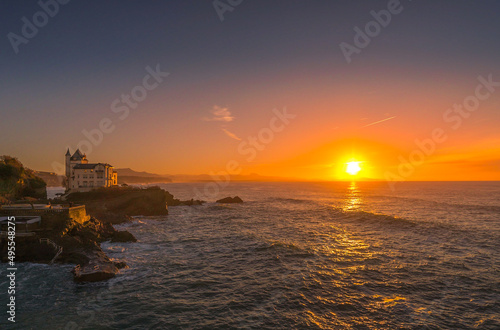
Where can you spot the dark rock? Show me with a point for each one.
(94, 272)
(73, 258)
(191, 202)
(118, 204)
(80, 243)
(99, 268)
(112, 218)
(123, 236)
(120, 264)
(235, 199)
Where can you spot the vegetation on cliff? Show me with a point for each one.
(17, 181)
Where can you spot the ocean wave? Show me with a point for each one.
(289, 200)
(436, 203)
(468, 236)
(278, 245)
(288, 249)
(377, 218)
(218, 207)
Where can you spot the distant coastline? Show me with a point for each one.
(130, 176)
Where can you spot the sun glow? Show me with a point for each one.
(353, 168)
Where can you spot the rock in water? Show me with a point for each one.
(120, 264)
(95, 272)
(99, 268)
(235, 199)
(123, 236)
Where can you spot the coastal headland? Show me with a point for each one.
(70, 229)
(72, 232)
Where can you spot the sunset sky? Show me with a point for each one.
(226, 78)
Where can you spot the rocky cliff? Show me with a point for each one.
(80, 243)
(116, 205)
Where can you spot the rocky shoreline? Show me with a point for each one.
(78, 243)
(79, 240)
(72, 231)
(75, 238)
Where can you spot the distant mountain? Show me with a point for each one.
(129, 176)
(248, 177)
(131, 172)
(52, 179)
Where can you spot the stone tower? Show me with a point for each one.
(68, 164)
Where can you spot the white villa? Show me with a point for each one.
(84, 176)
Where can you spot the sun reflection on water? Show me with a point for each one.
(352, 201)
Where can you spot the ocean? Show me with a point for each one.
(293, 256)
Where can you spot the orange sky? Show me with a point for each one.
(375, 122)
(226, 78)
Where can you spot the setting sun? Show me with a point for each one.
(353, 168)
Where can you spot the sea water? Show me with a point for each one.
(293, 255)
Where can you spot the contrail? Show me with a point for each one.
(231, 135)
(379, 121)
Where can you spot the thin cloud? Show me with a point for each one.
(380, 121)
(231, 135)
(220, 114)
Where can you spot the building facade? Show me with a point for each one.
(84, 176)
